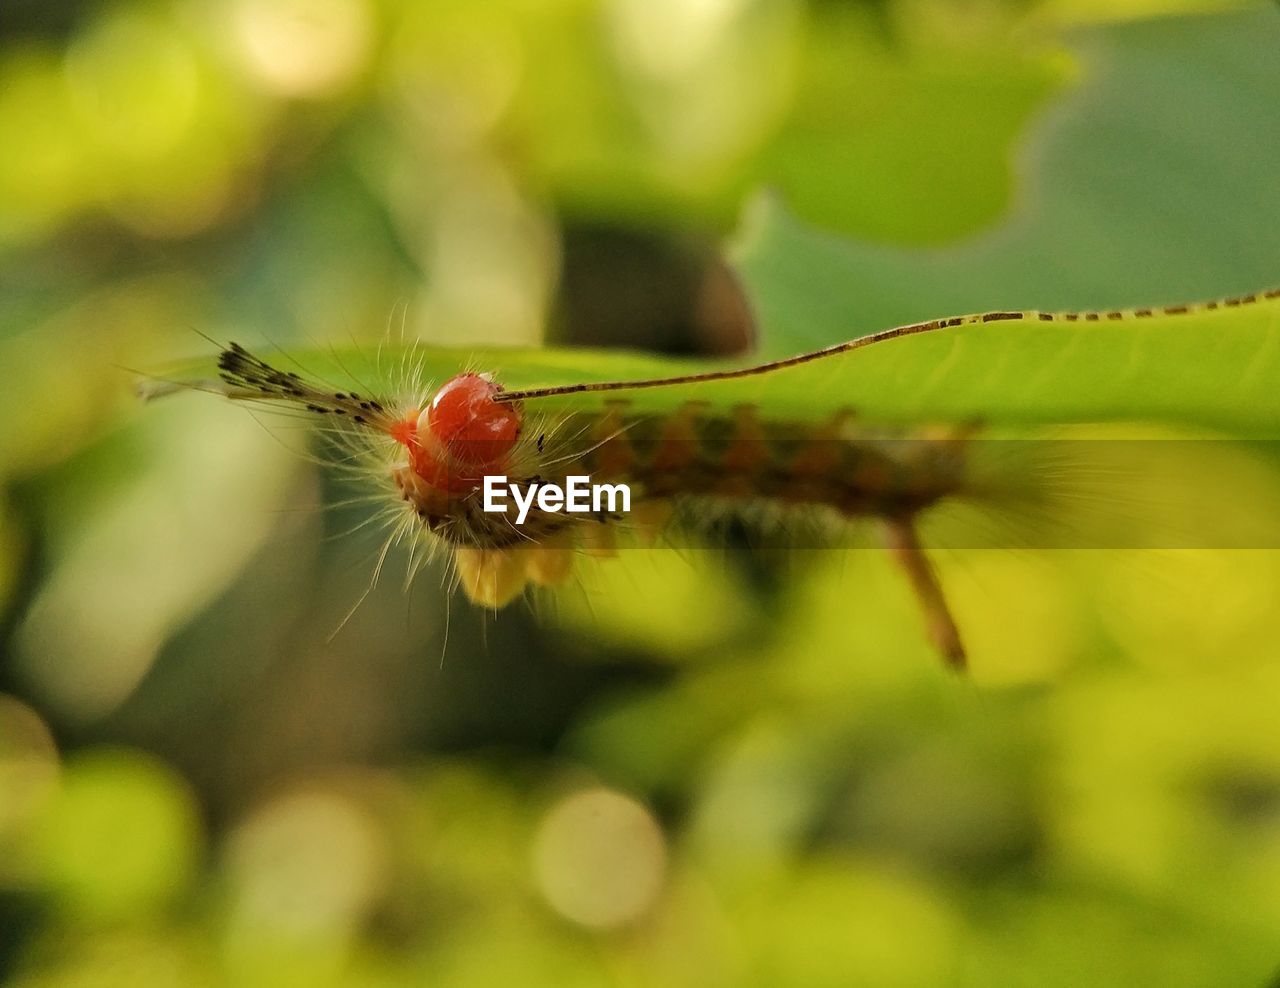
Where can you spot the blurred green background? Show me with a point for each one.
(690, 768)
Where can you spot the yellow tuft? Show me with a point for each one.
(490, 577)
(550, 564)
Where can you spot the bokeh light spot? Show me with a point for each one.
(306, 865)
(600, 858)
(303, 48)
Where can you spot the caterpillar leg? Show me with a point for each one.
(904, 545)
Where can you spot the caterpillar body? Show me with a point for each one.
(441, 444)
(431, 447)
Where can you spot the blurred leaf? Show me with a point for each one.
(1152, 183)
(130, 568)
(903, 142)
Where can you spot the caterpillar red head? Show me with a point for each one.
(463, 434)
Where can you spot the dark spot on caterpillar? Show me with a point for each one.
(364, 405)
(358, 418)
(1271, 293)
(1115, 315)
(947, 323)
(541, 440)
(1142, 312)
(1175, 310)
(1046, 317)
(339, 411)
(1091, 317)
(339, 396)
(375, 406)
(998, 316)
(317, 409)
(1232, 301)
(1071, 316)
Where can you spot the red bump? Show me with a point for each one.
(471, 426)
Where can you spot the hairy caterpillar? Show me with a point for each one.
(432, 446)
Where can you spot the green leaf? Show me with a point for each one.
(1215, 367)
